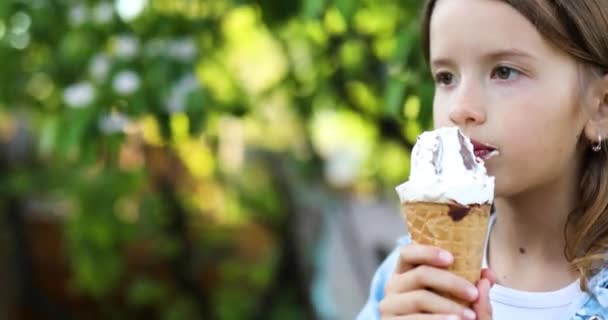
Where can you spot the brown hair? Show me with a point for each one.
(579, 28)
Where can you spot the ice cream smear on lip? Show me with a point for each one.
(444, 169)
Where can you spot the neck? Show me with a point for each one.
(527, 241)
(534, 222)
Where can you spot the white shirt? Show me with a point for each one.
(510, 304)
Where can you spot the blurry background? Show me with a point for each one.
(203, 159)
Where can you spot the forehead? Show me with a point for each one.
(467, 26)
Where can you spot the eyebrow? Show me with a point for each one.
(494, 55)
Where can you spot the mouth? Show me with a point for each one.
(483, 151)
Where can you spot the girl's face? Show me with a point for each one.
(506, 86)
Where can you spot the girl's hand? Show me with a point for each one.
(412, 291)
(482, 306)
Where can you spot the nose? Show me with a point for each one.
(467, 109)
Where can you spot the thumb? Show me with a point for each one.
(482, 306)
(490, 275)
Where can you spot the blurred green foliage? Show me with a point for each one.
(140, 110)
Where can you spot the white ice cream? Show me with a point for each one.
(444, 169)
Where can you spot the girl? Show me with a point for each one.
(530, 78)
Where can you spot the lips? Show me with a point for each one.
(483, 151)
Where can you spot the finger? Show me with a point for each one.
(413, 255)
(438, 280)
(482, 306)
(423, 301)
(426, 317)
(490, 275)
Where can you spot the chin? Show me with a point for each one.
(505, 188)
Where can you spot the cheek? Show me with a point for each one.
(536, 112)
(547, 125)
(539, 145)
(441, 116)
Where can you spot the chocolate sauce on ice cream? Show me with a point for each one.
(458, 212)
(467, 155)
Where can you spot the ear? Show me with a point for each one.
(597, 126)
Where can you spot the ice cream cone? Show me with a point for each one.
(447, 198)
(460, 230)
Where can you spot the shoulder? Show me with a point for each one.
(598, 287)
(381, 276)
(595, 305)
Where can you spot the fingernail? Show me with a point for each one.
(472, 292)
(469, 314)
(489, 284)
(445, 256)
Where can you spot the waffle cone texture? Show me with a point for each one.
(431, 224)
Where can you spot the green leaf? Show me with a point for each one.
(146, 291)
(181, 309)
(347, 8)
(196, 111)
(48, 135)
(393, 97)
(75, 125)
(426, 91)
(313, 8)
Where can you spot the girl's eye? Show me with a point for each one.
(444, 78)
(505, 73)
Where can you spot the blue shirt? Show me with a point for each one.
(594, 305)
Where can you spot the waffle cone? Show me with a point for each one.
(430, 224)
